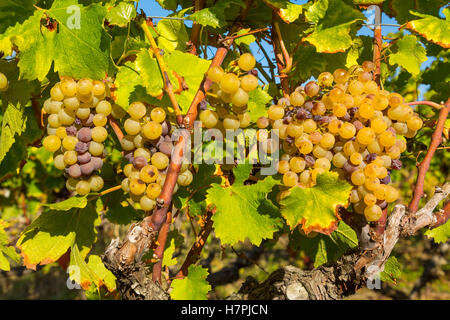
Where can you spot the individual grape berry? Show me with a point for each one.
(87, 168)
(58, 161)
(84, 157)
(340, 76)
(152, 130)
(84, 87)
(160, 160)
(3, 82)
(290, 179)
(139, 162)
(239, 98)
(137, 187)
(51, 143)
(185, 178)
(81, 147)
(230, 83)
(84, 134)
(231, 122)
(249, 82)
(297, 99)
(69, 142)
(275, 112)
(246, 62)
(153, 191)
(216, 74)
(75, 171)
(96, 149)
(148, 174)
(373, 213)
(83, 187)
(312, 89)
(325, 79)
(104, 107)
(96, 183)
(396, 164)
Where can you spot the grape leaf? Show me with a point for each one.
(92, 272)
(13, 123)
(440, 234)
(316, 11)
(54, 232)
(249, 39)
(314, 208)
(12, 12)
(79, 46)
(150, 73)
(257, 103)
(172, 35)
(287, 10)
(216, 16)
(432, 28)
(6, 249)
(126, 80)
(410, 54)
(168, 4)
(392, 270)
(192, 287)
(72, 202)
(331, 33)
(174, 240)
(119, 213)
(403, 11)
(121, 14)
(239, 213)
(326, 248)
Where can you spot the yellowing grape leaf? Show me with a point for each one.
(392, 270)
(432, 28)
(257, 103)
(93, 272)
(5, 249)
(54, 232)
(315, 208)
(192, 287)
(121, 14)
(410, 54)
(243, 211)
(13, 123)
(174, 240)
(287, 10)
(333, 22)
(440, 234)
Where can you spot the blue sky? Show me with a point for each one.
(152, 8)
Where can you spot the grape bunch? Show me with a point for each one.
(345, 123)
(3, 82)
(147, 147)
(77, 116)
(229, 88)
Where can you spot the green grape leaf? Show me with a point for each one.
(392, 270)
(12, 12)
(72, 202)
(150, 73)
(127, 79)
(315, 208)
(247, 40)
(54, 232)
(121, 14)
(440, 234)
(432, 28)
(79, 46)
(13, 123)
(239, 209)
(257, 103)
(410, 54)
(168, 4)
(6, 249)
(287, 10)
(403, 11)
(326, 248)
(192, 287)
(119, 211)
(332, 31)
(216, 16)
(316, 11)
(93, 272)
(174, 241)
(172, 35)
